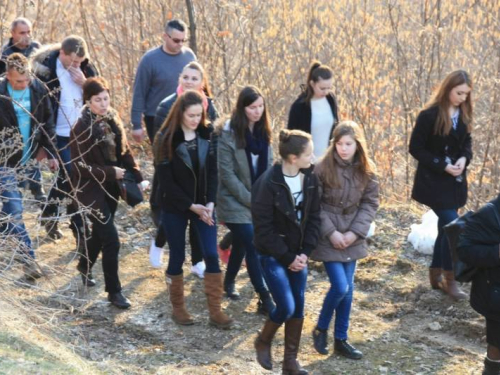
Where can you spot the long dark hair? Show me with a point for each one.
(163, 148)
(317, 71)
(441, 99)
(239, 120)
(327, 167)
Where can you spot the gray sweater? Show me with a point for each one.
(156, 78)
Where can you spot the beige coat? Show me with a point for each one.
(349, 208)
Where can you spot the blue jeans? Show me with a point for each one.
(287, 288)
(243, 247)
(175, 230)
(441, 257)
(62, 187)
(339, 297)
(11, 216)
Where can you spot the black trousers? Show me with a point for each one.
(493, 332)
(150, 127)
(104, 238)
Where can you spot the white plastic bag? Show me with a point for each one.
(155, 255)
(423, 236)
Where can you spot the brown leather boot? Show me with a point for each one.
(450, 286)
(262, 344)
(435, 277)
(293, 332)
(213, 290)
(175, 285)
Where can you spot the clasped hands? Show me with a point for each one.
(456, 169)
(299, 263)
(342, 240)
(204, 212)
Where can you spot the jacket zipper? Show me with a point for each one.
(292, 201)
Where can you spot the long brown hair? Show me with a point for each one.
(163, 148)
(441, 99)
(317, 71)
(239, 121)
(195, 65)
(328, 165)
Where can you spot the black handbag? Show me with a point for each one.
(129, 190)
(463, 272)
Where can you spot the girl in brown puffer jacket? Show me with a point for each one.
(349, 201)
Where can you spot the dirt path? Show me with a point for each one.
(401, 326)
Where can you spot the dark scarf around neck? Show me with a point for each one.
(256, 144)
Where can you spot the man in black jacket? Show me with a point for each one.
(64, 68)
(479, 246)
(20, 41)
(26, 132)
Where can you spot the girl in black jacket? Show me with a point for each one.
(315, 111)
(285, 212)
(478, 246)
(186, 165)
(193, 77)
(441, 143)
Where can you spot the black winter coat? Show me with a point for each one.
(300, 114)
(166, 104)
(9, 48)
(42, 123)
(179, 185)
(45, 68)
(277, 232)
(433, 186)
(479, 246)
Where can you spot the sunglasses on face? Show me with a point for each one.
(176, 40)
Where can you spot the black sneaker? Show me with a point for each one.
(231, 292)
(52, 229)
(320, 341)
(119, 300)
(342, 347)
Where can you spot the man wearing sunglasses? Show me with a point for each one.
(157, 77)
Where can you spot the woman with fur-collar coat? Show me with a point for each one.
(100, 155)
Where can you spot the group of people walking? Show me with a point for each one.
(317, 201)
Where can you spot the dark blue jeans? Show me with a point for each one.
(175, 230)
(243, 247)
(339, 297)
(287, 288)
(441, 257)
(11, 216)
(62, 187)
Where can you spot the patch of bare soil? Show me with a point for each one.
(400, 324)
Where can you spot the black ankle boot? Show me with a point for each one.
(265, 304)
(320, 341)
(87, 277)
(119, 300)
(342, 347)
(52, 229)
(230, 289)
(491, 367)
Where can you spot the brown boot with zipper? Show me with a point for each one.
(263, 342)
(213, 290)
(175, 285)
(435, 277)
(450, 286)
(293, 332)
